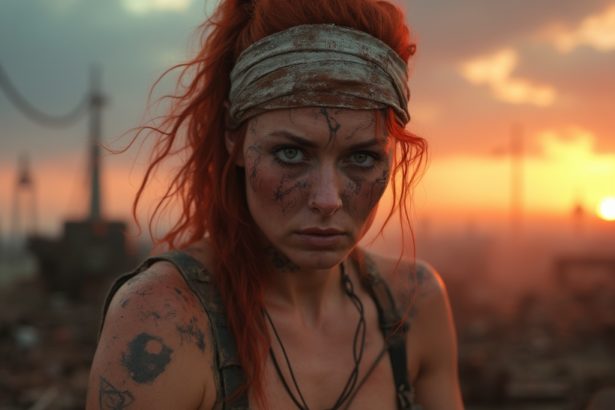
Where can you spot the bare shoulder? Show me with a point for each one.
(420, 293)
(155, 349)
(413, 283)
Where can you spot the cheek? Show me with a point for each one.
(254, 168)
(273, 189)
(361, 194)
(288, 191)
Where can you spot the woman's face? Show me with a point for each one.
(314, 177)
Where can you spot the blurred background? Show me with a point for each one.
(516, 208)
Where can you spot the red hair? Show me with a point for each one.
(208, 185)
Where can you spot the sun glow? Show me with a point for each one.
(606, 209)
(564, 168)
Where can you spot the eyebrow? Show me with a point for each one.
(304, 142)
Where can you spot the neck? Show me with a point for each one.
(306, 294)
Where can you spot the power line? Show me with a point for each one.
(35, 115)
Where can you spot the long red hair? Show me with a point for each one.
(208, 185)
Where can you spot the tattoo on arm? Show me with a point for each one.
(147, 358)
(111, 398)
(191, 333)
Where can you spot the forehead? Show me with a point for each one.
(321, 124)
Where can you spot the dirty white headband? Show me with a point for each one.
(320, 65)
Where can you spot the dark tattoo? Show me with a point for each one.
(147, 358)
(170, 313)
(181, 295)
(124, 302)
(110, 398)
(420, 284)
(332, 123)
(191, 333)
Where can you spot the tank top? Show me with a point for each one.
(230, 376)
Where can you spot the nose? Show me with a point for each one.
(325, 197)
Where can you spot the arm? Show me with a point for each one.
(437, 384)
(154, 350)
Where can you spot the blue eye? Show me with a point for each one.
(289, 155)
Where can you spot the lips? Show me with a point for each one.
(321, 231)
(321, 238)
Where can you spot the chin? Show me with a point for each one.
(317, 259)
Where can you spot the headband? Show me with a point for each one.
(321, 65)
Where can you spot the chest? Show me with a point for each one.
(318, 372)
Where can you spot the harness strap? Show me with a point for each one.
(393, 328)
(231, 377)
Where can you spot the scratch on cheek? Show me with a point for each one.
(378, 187)
(286, 195)
(355, 186)
(256, 155)
(351, 192)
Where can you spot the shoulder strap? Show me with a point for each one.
(231, 377)
(393, 328)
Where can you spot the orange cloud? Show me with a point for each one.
(495, 70)
(597, 31)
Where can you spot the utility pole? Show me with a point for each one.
(25, 218)
(96, 103)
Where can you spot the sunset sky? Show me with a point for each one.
(483, 69)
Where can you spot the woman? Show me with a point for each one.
(293, 122)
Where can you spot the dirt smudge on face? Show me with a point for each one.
(288, 193)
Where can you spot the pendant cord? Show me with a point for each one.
(303, 405)
(358, 347)
(368, 373)
(357, 353)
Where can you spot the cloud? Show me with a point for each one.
(147, 6)
(495, 71)
(597, 31)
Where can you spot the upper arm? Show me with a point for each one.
(437, 384)
(154, 350)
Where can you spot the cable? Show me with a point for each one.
(33, 114)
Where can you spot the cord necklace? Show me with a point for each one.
(358, 347)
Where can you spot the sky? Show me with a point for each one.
(485, 71)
